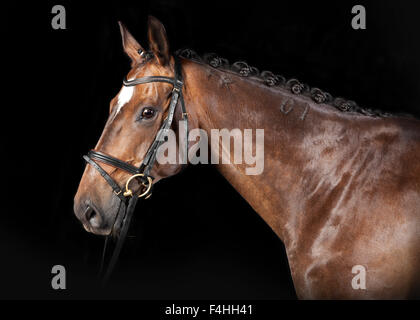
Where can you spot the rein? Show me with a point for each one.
(126, 208)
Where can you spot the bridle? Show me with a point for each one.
(126, 208)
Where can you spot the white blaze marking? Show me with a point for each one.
(124, 97)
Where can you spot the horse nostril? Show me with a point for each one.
(89, 213)
(92, 217)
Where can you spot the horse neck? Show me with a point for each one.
(219, 99)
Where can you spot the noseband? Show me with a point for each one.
(129, 197)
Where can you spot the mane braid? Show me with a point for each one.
(273, 80)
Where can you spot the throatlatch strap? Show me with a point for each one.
(186, 131)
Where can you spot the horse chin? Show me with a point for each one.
(98, 231)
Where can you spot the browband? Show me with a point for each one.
(134, 82)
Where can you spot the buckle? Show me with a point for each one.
(178, 85)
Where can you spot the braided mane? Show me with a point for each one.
(275, 80)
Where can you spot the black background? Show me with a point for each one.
(212, 246)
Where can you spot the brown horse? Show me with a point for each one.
(340, 185)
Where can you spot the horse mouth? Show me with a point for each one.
(95, 221)
(97, 231)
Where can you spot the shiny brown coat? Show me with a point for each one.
(339, 189)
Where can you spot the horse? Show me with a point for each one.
(340, 185)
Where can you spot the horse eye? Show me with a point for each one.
(147, 113)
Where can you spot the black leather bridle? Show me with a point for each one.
(126, 208)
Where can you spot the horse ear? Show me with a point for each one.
(158, 41)
(131, 47)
